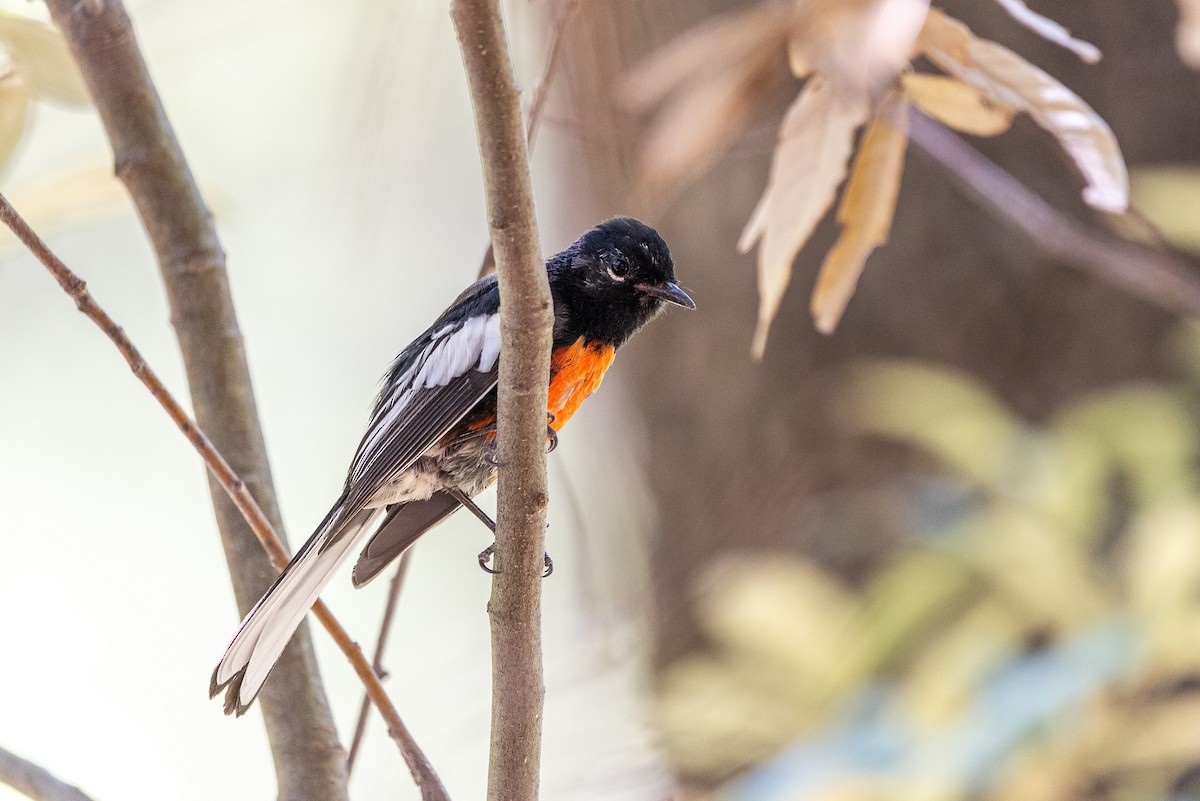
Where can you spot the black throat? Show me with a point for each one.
(595, 311)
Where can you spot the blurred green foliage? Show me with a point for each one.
(1090, 520)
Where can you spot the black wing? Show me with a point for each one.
(432, 385)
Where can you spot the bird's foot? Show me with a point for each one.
(487, 553)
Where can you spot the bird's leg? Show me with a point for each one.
(551, 435)
(486, 554)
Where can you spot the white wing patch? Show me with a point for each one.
(450, 353)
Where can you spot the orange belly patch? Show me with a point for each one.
(576, 372)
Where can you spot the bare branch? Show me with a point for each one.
(234, 487)
(36, 782)
(541, 93)
(526, 314)
(385, 627)
(309, 760)
(1152, 275)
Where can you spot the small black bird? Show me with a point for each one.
(429, 443)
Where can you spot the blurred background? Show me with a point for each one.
(951, 551)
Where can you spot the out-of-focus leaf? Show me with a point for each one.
(882, 788)
(1148, 431)
(1169, 197)
(700, 122)
(1010, 80)
(708, 49)
(952, 416)
(1162, 572)
(1187, 35)
(1050, 30)
(959, 105)
(1039, 776)
(42, 57)
(78, 197)
(782, 610)
(1162, 733)
(858, 45)
(714, 723)
(903, 604)
(946, 673)
(810, 162)
(866, 211)
(1046, 579)
(14, 109)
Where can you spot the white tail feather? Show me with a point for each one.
(269, 626)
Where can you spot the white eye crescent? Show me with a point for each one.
(618, 269)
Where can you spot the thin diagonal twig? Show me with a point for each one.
(1153, 275)
(76, 288)
(147, 158)
(385, 627)
(35, 781)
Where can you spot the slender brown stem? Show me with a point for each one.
(385, 627)
(1152, 275)
(231, 484)
(541, 92)
(35, 781)
(526, 315)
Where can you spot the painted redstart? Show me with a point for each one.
(429, 445)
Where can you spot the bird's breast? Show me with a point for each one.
(576, 371)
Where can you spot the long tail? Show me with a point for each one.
(269, 626)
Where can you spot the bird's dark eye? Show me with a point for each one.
(618, 268)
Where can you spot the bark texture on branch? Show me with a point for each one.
(309, 761)
(526, 314)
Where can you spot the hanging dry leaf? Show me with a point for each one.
(1009, 80)
(699, 123)
(1187, 35)
(42, 57)
(867, 208)
(1050, 30)
(14, 109)
(706, 50)
(815, 142)
(957, 104)
(856, 44)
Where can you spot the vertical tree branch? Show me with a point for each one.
(526, 316)
(309, 761)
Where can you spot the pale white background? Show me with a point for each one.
(334, 141)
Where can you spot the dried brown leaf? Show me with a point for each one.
(707, 49)
(699, 123)
(42, 58)
(1050, 30)
(1187, 35)
(959, 105)
(14, 109)
(1009, 80)
(867, 208)
(815, 142)
(857, 44)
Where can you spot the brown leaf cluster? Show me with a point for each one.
(706, 88)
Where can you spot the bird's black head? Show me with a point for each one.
(612, 281)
